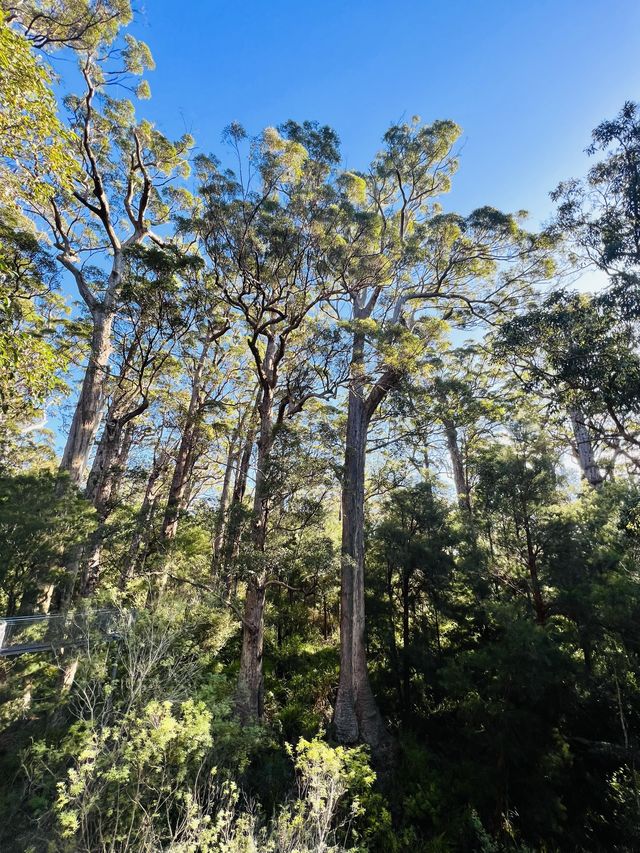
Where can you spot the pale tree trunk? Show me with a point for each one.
(356, 714)
(109, 462)
(86, 418)
(584, 449)
(109, 453)
(84, 561)
(457, 465)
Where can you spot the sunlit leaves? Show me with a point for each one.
(33, 142)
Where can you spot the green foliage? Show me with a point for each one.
(32, 355)
(600, 215)
(145, 767)
(41, 518)
(226, 350)
(33, 141)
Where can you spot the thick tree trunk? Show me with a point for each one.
(100, 480)
(457, 465)
(584, 450)
(92, 562)
(250, 690)
(356, 714)
(86, 418)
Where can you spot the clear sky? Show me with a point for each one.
(527, 81)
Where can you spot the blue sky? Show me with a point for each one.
(527, 81)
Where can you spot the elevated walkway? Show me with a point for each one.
(51, 632)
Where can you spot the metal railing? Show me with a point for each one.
(53, 631)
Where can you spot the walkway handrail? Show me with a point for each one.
(25, 634)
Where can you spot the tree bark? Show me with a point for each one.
(177, 489)
(250, 689)
(584, 450)
(103, 485)
(234, 525)
(225, 501)
(86, 418)
(356, 714)
(457, 465)
(100, 480)
(237, 466)
(185, 458)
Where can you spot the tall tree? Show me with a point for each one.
(264, 243)
(154, 318)
(402, 257)
(32, 352)
(581, 352)
(124, 166)
(600, 215)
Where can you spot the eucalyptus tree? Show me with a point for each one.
(517, 481)
(75, 24)
(33, 141)
(206, 384)
(463, 391)
(149, 475)
(581, 353)
(265, 232)
(33, 355)
(582, 350)
(600, 214)
(33, 145)
(154, 318)
(406, 268)
(239, 433)
(120, 192)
